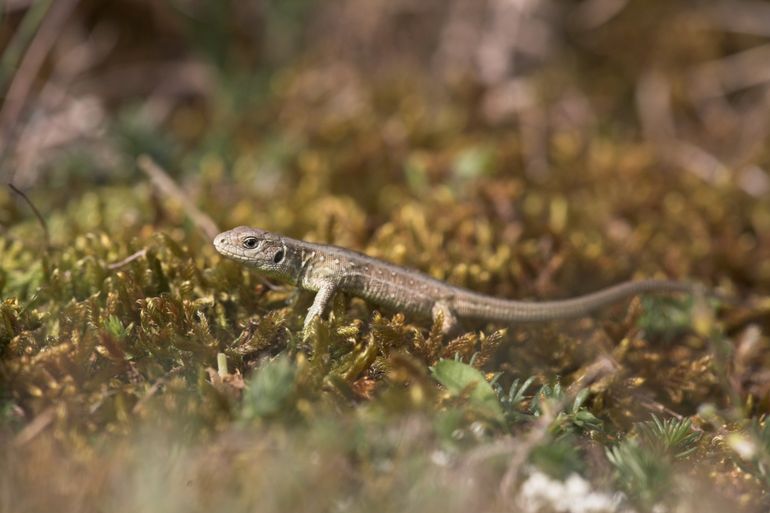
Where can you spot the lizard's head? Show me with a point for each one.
(266, 251)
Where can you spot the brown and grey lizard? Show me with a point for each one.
(326, 269)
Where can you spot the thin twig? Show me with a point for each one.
(39, 216)
(35, 427)
(169, 188)
(735, 72)
(154, 389)
(127, 260)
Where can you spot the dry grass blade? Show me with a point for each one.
(130, 258)
(169, 188)
(35, 427)
(22, 83)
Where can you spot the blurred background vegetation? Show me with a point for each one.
(521, 148)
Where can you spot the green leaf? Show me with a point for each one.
(669, 436)
(460, 378)
(643, 475)
(269, 390)
(580, 398)
(115, 327)
(558, 457)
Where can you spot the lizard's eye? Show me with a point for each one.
(250, 242)
(278, 257)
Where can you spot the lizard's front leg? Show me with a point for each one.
(322, 298)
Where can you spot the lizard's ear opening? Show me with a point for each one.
(278, 257)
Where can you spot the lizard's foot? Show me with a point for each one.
(316, 310)
(310, 326)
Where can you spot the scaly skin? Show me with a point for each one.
(326, 269)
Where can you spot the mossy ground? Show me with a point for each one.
(115, 396)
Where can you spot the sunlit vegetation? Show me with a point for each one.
(535, 150)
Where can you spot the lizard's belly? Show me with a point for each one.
(413, 297)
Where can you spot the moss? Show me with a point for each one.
(112, 386)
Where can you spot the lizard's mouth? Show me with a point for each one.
(225, 246)
(225, 251)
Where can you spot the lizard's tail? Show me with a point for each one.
(492, 309)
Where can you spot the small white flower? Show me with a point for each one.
(540, 493)
(576, 485)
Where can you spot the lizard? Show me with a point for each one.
(327, 269)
